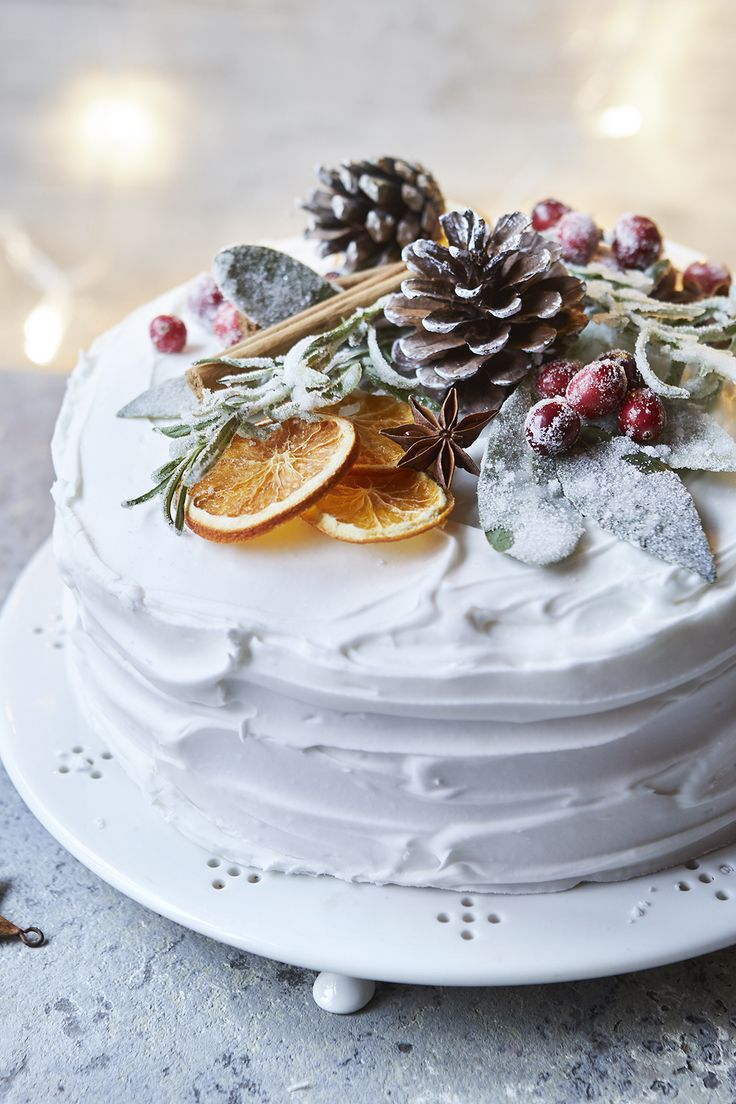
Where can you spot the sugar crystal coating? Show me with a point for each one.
(637, 242)
(552, 427)
(598, 388)
(168, 333)
(520, 504)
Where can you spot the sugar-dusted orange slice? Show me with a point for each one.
(370, 414)
(389, 505)
(257, 484)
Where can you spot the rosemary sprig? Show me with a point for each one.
(261, 392)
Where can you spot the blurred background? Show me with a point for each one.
(139, 136)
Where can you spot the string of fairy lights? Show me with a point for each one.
(120, 129)
(116, 136)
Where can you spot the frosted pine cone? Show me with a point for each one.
(486, 307)
(370, 210)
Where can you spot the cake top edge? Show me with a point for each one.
(575, 371)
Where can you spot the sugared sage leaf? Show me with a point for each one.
(695, 440)
(169, 399)
(267, 285)
(520, 502)
(649, 508)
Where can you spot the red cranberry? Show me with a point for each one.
(637, 242)
(168, 333)
(642, 416)
(628, 363)
(706, 278)
(226, 324)
(551, 427)
(547, 213)
(598, 389)
(554, 377)
(579, 237)
(204, 298)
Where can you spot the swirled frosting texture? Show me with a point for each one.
(428, 713)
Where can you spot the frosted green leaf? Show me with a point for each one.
(267, 285)
(169, 399)
(651, 509)
(695, 440)
(645, 462)
(520, 502)
(500, 539)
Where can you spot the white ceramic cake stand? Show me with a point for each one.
(352, 932)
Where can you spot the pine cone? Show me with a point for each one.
(485, 308)
(370, 210)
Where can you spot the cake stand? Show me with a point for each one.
(82, 795)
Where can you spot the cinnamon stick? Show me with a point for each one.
(353, 279)
(315, 320)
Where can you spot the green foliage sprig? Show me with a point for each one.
(259, 394)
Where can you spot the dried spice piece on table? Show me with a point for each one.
(369, 210)
(484, 308)
(437, 442)
(30, 937)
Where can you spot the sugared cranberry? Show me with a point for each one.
(554, 377)
(168, 333)
(552, 427)
(598, 389)
(642, 416)
(579, 237)
(706, 278)
(226, 324)
(547, 213)
(637, 242)
(204, 298)
(628, 363)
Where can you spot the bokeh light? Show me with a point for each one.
(619, 121)
(118, 133)
(121, 130)
(43, 331)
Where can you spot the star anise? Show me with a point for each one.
(437, 442)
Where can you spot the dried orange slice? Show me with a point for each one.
(257, 484)
(370, 414)
(389, 505)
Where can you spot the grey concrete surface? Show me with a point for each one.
(124, 1007)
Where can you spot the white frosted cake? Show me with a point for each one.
(427, 712)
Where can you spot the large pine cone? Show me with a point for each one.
(370, 210)
(485, 308)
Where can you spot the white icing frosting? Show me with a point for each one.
(429, 712)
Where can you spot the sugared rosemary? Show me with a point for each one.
(262, 392)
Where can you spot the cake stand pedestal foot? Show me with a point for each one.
(341, 994)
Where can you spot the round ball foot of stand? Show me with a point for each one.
(341, 994)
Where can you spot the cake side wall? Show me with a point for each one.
(430, 715)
